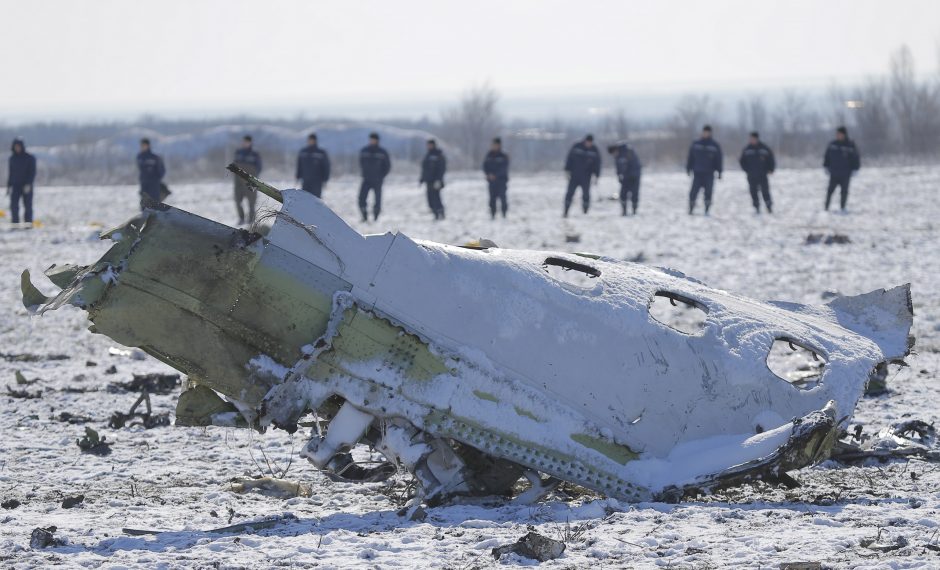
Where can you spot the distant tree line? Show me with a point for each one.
(893, 118)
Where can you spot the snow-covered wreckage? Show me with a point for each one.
(475, 367)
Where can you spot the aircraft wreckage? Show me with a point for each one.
(475, 367)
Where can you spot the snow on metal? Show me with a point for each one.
(473, 367)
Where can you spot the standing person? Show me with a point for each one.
(496, 169)
(151, 170)
(628, 172)
(704, 161)
(432, 173)
(20, 177)
(248, 159)
(313, 167)
(842, 160)
(375, 165)
(757, 161)
(583, 162)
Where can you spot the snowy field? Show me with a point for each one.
(179, 480)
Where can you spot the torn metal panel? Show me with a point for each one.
(472, 367)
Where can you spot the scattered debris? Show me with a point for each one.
(827, 239)
(572, 238)
(72, 502)
(44, 538)
(10, 504)
(638, 258)
(534, 546)
(111, 369)
(23, 394)
(153, 383)
(902, 440)
(92, 443)
(27, 357)
(271, 487)
(801, 566)
(830, 295)
(147, 419)
(245, 527)
(877, 545)
(90, 363)
(22, 381)
(70, 418)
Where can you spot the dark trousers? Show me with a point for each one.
(842, 181)
(573, 184)
(759, 186)
(629, 192)
(149, 194)
(702, 181)
(375, 186)
(434, 201)
(315, 188)
(17, 194)
(498, 193)
(243, 192)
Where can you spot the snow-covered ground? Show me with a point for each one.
(179, 480)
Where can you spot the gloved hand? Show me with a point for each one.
(688, 173)
(28, 189)
(491, 177)
(438, 184)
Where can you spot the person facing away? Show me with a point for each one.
(757, 161)
(375, 166)
(152, 170)
(628, 172)
(20, 177)
(432, 174)
(583, 162)
(703, 162)
(496, 169)
(842, 160)
(313, 167)
(248, 159)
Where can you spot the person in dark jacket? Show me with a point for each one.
(432, 174)
(313, 167)
(703, 162)
(842, 160)
(248, 159)
(757, 161)
(628, 172)
(20, 177)
(151, 170)
(375, 166)
(583, 162)
(496, 169)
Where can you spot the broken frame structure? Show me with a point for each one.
(474, 367)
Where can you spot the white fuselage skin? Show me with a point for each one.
(597, 348)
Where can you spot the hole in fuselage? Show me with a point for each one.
(796, 363)
(571, 272)
(678, 312)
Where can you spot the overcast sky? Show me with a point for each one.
(65, 58)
